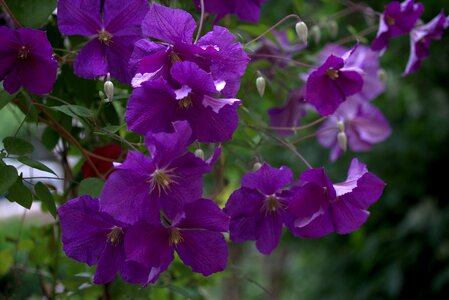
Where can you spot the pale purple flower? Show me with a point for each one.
(257, 209)
(319, 207)
(363, 124)
(94, 238)
(26, 59)
(420, 39)
(248, 10)
(195, 235)
(397, 19)
(113, 26)
(216, 53)
(332, 83)
(155, 105)
(143, 185)
(290, 114)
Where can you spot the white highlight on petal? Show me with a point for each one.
(218, 103)
(220, 85)
(183, 92)
(140, 78)
(210, 46)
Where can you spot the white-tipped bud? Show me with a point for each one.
(67, 43)
(315, 33)
(382, 75)
(333, 28)
(302, 31)
(261, 84)
(342, 141)
(257, 166)
(109, 90)
(341, 126)
(199, 153)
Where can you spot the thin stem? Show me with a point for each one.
(9, 12)
(281, 58)
(360, 34)
(272, 28)
(293, 149)
(316, 122)
(200, 26)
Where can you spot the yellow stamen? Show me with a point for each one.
(105, 37)
(175, 237)
(162, 179)
(332, 73)
(115, 236)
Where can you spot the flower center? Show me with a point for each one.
(272, 204)
(332, 73)
(23, 53)
(115, 236)
(174, 58)
(105, 37)
(390, 21)
(162, 179)
(175, 237)
(186, 102)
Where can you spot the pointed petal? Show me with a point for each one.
(124, 17)
(267, 179)
(319, 177)
(111, 261)
(347, 218)
(91, 61)
(204, 214)
(269, 231)
(79, 17)
(189, 74)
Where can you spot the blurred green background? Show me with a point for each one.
(402, 252)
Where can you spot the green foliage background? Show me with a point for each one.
(401, 253)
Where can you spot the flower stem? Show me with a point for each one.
(200, 26)
(9, 12)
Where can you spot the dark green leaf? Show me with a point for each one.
(5, 98)
(50, 138)
(35, 164)
(15, 145)
(32, 13)
(8, 175)
(44, 194)
(91, 186)
(74, 111)
(7, 259)
(20, 193)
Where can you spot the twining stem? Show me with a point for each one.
(293, 149)
(9, 12)
(262, 55)
(272, 28)
(316, 122)
(200, 26)
(360, 34)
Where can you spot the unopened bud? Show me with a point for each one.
(109, 90)
(261, 84)
(199, 153)
(315, 33)
(302, 31)
(67, 43)
(382, 75)
(257, 166)
(341, 126)
(333, 28)
(342, 141)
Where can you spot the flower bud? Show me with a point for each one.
(257, 166)
(261, 84)
(199, 153)
(302, 31)
(109, 90)
(333, 28)
(341, 126)
(315, 33)
(342, 141)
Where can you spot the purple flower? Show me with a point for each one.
(329, 85)
(257, 209)
(397, 19)
(142, 185)
(211, 119)
(361, 122)
(94, 238)
(113, 25)
(248, 10)
(26, 59)
(320, 207)
(420, 39)
(290, 114)
(195, 234)
(216, 53)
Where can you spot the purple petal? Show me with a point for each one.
(91, 61)
(39, 75)
(290, 114)
(170, 25)
(269, 231)
(267, 179)
(9, 46)
(118, 55)
(124, 17)
(205, 252)
(320, 226)
(79, 17)
(205, 214)
(189, 74)
(347, 217)
(111, 261)
(319, 177)
(350, 82)
(138, 163)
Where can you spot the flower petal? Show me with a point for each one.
(111, 261)
(91, 61)
(204, 214)
(267, 179)
(79, 17)
(269, 231)
(124, 17)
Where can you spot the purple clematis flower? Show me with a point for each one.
(195, 234)
(216, 53)
(94, 238)
(361, 122)
(257, 209)
(329, 85)
(290, 114)
(420, 39)
(142, 185)
(397, 19)
(26, 59)
(320, 207)
(211, 119)
(113, 25)
(248, 10)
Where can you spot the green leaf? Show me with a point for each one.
(7, 260)
(91, 186)
(35, 164)
(5, 98)
(20, 193)
(44, 194)
(15, 145)
(74, 111)
(32, 13)
(8, 176)
(50, 138)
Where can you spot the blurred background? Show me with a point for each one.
(402, 252)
